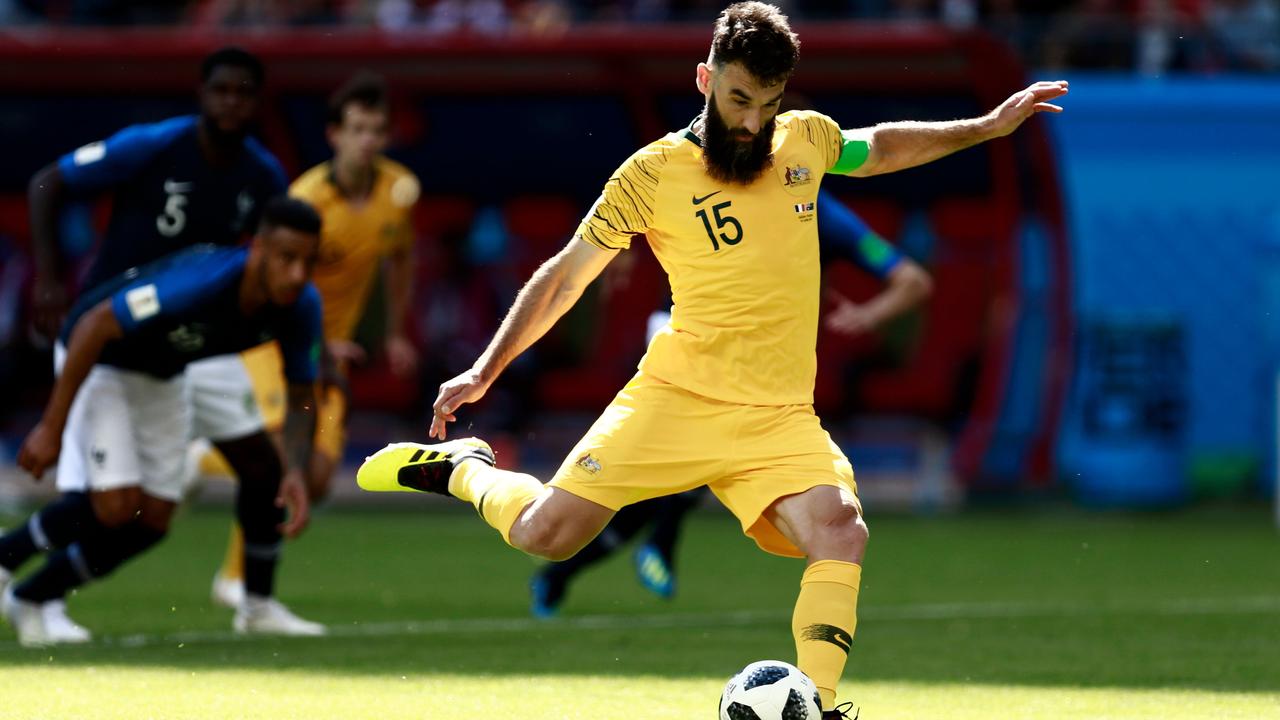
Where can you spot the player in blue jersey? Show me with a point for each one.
(175, 183)
(842, 235)
(117, 421)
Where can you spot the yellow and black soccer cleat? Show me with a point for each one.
(415, 467)
(841, 712)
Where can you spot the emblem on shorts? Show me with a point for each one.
(589, 463)
(796, 176)
(99, 457)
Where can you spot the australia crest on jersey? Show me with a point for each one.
(796, 176)
(589, 463)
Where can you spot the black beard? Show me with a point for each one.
(732, 161)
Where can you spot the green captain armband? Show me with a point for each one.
(853, 153)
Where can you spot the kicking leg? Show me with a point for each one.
(826, 524)
(544, 521)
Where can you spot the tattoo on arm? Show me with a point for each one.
(299, 426)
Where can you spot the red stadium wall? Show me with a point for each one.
(954, 361)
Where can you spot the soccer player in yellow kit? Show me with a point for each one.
(366, 202)
(723, 397)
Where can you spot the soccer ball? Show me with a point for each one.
(770, 690)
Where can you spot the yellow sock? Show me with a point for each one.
(825, 617)
(233, 563)
(499, 495)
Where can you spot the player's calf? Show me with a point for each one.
(59, 523)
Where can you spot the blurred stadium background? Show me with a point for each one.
(1073, 442)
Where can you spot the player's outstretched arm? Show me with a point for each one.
(91, 333)
(901, 145)
(552, 290)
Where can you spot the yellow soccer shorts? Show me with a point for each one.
(657, 439)
(266, 371)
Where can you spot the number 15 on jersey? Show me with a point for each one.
(721, 221)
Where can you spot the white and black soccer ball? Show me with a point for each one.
(770, 690)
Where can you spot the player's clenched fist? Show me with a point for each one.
(465, 388)
(39, 450)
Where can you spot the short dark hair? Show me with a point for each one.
(367, 89)
(759, 37)
(289, 212)
(233, 57)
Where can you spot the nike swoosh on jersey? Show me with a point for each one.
(173, 187)
(699, 200)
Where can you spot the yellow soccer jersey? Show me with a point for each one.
(742, 260)
(356, 237)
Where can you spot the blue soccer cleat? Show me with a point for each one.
(654, 572)
(546, 595)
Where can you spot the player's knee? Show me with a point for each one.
(842, 533)
(560, 551)
(114, 508)
(155, 514)
(532, 538)
(545, 540)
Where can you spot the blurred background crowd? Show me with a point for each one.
(1149, 36)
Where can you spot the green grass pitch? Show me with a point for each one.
(1037, 616)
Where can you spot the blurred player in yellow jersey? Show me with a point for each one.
(366, 202)
(724, 395)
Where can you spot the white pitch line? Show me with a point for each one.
(1175, 607)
